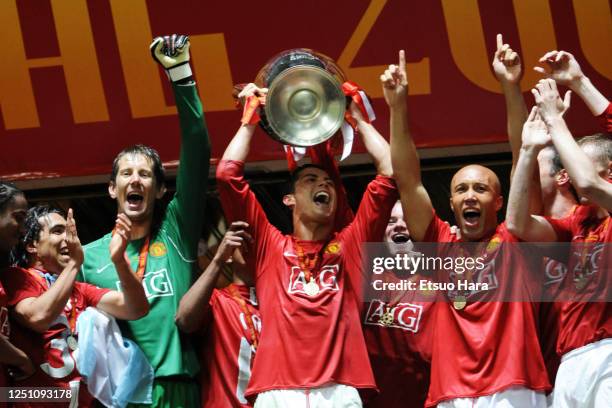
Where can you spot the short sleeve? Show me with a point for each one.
(20, 284)
(91, 293)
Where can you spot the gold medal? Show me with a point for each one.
(73, 344)
(580, 282)
(387, 318)
(459, 302)
(311, 288)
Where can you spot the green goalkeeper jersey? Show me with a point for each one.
(172, 252)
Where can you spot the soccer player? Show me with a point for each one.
(485, 352)
(230, 317)
(565, 70)
(163, 246)
(45, 301)
(583, 378)
(309, 283)
(13, 208)
(398, 331)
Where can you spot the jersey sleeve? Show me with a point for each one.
(91, 293)
(185, 212)
(240, 204)
(438, 230)
(20, 285)
(605, 118)
(563, 227)
(322, 155)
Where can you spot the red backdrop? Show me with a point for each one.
(77, 83)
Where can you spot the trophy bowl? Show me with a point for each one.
(305, 104)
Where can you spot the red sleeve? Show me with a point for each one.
(438, 230)
(374, 211)
(322, 155)
(20, 284)
(240, 204)
(605, 118)
(91, 293)
(563, 227)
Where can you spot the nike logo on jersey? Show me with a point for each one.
(100, 270)
(289, 254)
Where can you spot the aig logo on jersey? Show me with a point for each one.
(406, 316)
(155, 284)
(326, 280)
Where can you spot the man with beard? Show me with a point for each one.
(163, 247)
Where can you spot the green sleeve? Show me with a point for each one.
(185, 213)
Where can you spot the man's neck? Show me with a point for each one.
(559, 205)
(38, 265)
(311, 231)
(240, 276)
(140, 229)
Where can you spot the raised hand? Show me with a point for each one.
(395, 82)
(121, 238)
(72, 239)
(236, 237)
(535, 133)
(251, 90)
(560, 66)
(550, 104)
(506, 63)
(172, 53)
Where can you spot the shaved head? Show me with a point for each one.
(476, 171)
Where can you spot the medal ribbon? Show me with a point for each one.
(248, 316)
(308, 265)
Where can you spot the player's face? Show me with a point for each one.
(397, 236)
(602, 167)
(51, 248)
(314, 197)
(475, 200)
(135, 189)
(11, 222)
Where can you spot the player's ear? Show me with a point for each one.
(499, 202)
(562, 178)
(112, 190)
(161, 191)
(289, 200)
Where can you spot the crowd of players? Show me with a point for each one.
(293, 328)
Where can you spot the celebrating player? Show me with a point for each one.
(46, 301)
(13, 208)
(583, 342)
(485, 351)
(308, 283)
(163, 245)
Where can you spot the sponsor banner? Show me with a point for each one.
(77, 82)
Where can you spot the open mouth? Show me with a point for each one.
(134, 199)
(400, 238)
(64, 252)
(321, 197)
(471, 216)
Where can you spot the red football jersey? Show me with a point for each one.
(228, 350)
(400, 351)
(308, 341)
(487, 346)
(581, 323)
(49, 351)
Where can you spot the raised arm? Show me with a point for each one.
(565, 70)
(581, 170)
(376, 145)
(131, 302)
(187, 207)
(519, 219)
(194, 304)
(416, 203)
(239, 147)
(38, 313)
(508, 71)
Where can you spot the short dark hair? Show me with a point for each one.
(158, 168)
(601, 143)
(8, 191)
(294, 176)
(33, 227)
